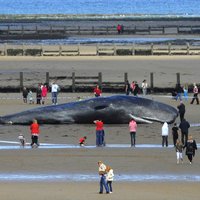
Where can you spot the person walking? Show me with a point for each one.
(165, 133)
(195, 94)
(181, 110)
(109, 178)
(179, 151)
(184, 126)
(175, 133)
(99, 133)
(191, 146)
(35, 131)
(133, 128)
(54, 92)
(102, 173)
(179, 91)
(185, 92)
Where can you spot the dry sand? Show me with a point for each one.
(137, 161)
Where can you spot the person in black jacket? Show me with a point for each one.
(191, 146)
(184, 126)
(181, 110)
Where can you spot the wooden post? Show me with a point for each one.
(100, 79)
(163, 30)
(21, 81)
(151, 48)
(178, 79)
(133, 49)
(188, 48)
(92, 30)
(169, 48)
(60, 50)
(23, 50)
(151, 81)
(79, 30)
(47, 78)
(97, 49)
(125, 77)
(8, 33)
(42, 52)
(79, 49)
(114, 49)
(5, 49)
(22, 31)
(73, 82)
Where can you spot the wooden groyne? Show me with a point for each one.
(77, 83)
(31, 31)
(99, 49)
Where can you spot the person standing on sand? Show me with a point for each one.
(165, 133)
(127, 88)
(54, 92)
(191, 146)
(99, 133)
(144, 87)
(44, 93)
(35, 131)
(175, 133)
(195, 94)
(25, 94)
(133, 128)
(109, 178)
(102, 173)
(179, 151)
(184, 126)
(38, 94)
(181, 110)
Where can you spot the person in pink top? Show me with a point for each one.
(44, 93)
(132, 128)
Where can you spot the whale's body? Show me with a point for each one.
(116, 109)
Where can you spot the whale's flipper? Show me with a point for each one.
(141, 120)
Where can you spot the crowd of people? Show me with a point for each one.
(41, 94)
(135, 89)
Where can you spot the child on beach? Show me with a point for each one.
(82, 141)
(109, 177)
(30, 97)
(22, 140)
(179, 151)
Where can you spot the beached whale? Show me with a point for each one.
(116, 109)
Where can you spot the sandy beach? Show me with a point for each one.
(142, 172)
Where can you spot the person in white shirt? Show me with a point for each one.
(54, 92)
(109, 178)
(102, 172)
(144, 87)
(165, 133)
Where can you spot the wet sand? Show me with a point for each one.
(132, 162)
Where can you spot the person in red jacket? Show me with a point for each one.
(35, 131)
(99, 133)
(82, 141)
(97, 91)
